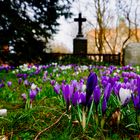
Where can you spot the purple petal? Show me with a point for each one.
(107, 91)
(82, 98)
(96, 95)
(138, 86)
(136, 101)
(75, 98)
(32, 94)
(9, 83)
(116, 88)
(104, 105)
(2, 85)
(19, 80)
(91, 84)
(67, 92)
(57, 88)
(24, 96)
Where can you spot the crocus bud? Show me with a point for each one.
(67, 91)
(104, 106)
(91, 84)
(107, 91)
(9, 83)
(24, 96)
(33, 86)
(52, 82)
(57, 88)
(96, 95)
(32, 94)
(19, 80)
(26, 82)
(3, 112)
(2, 85)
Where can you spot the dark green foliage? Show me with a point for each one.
(27, 24)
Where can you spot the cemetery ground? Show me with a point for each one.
(69, 101)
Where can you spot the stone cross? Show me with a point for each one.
(80, 20)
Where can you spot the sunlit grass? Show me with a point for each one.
(49, 118)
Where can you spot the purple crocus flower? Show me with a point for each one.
(138, 85)
(2, 85)
(26, 82)
(126, 79)
(96, 95)
(24, 96)
(136, 101)
(74, 83)
(67, 93)
(19, 80)
(116, 88)
(75, 98)
(52, 82)
(80, 87)
(82, 98)
(112, 80)
(45, 76)
(32, 94)
(104, 105)
(25, 76)
(104, 80)
(91, 84)
(57, 88)
(9, 83)
(136, 98)
(133, 83)
(107, 91)
(37, 71)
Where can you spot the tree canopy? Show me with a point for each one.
(27, 24)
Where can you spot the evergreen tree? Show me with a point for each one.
(27, 24)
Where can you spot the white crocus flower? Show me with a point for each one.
(34, 67)
(118, 71)
(13, 71)
(25, 67)
(33, 86)
(21, 66)
(124, 95)
(115, 73)
(17, 70)
(3, 112)
(84, 67)
(83, 88)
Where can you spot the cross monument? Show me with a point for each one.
(80, 20)
(80, 43)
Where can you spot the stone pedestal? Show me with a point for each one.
(80, 45)
(132, 54)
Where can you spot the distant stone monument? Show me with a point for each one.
(80, 43)
(132, 54)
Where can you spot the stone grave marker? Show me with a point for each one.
(80, 43)
(132, 54)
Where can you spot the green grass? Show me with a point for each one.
(48, 118)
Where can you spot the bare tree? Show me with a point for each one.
(108, 36)
(136, 20)
(100, 13)
(103, 16)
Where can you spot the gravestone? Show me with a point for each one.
(132, 54)
(80, 43)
